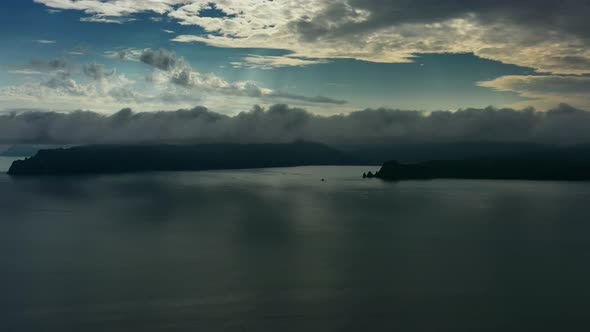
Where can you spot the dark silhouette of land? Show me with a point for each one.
(377, 154)
(142, 158)
(457, 161)
(567, 164)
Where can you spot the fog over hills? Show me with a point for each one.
(283, 124)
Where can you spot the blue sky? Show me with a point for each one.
(326, 56)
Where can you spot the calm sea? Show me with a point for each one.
(281, 250)
(5, 163)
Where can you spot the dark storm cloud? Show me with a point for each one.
(97, 71)
(338, 19)
(316, 99)
(161, 59)
(280, 123)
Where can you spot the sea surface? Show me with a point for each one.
(281, 250)
(5, 163)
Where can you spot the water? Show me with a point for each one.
(280, 250)
(5, 163)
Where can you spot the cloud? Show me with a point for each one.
(316, 99)
(45, 41)
(547, 35)
(97, 71)
(576, 85)
(106, 19)
(114, 7)
(544, 90)
(38, 67)
(177, 71)
(130, 54)
(61, 81)
(172, 83)
(161, 59)
(25, 72)
(45, 65)
(280, 123)
(59, 85)
(269, 62)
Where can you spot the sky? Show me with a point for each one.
(326, 56)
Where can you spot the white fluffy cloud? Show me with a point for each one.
(177, 71)
(113, 8)
(61, 88)
(172, 83)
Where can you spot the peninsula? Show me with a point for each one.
(97, 159)
(567, 164)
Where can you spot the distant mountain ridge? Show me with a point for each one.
(420, 152)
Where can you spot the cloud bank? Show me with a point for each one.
(280, 123)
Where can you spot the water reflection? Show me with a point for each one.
(279, 250)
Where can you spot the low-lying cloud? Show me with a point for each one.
(280, 123)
